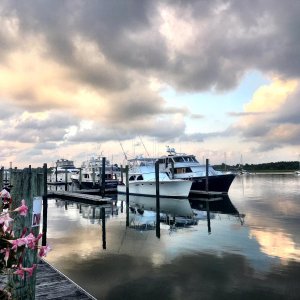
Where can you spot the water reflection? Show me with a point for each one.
(242, 246)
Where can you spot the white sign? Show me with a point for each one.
(36, 211)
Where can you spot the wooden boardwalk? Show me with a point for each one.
(83, 198)
(52, 284)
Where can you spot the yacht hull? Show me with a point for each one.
(218, 184)
(170, 189)
(109, 184)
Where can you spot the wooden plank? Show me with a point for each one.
(52, 284)
(85, 198)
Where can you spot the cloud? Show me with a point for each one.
(270, 118)
(105, 62)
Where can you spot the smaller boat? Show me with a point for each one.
(89, 175)
(142, 182)
(63, 168)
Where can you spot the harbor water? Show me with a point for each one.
(244, 246)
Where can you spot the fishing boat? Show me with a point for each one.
(184, 166)
(89, 176)
(142, 181)
(64, 168)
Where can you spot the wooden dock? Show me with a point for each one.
(52, 284)
(79, 197)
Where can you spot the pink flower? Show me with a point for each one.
(17, 243)
(20, 272)
(4, 220)
(6, 256)
(30, 241)
(23, 209)
(44, 250)
(29, 270)
(5, 194)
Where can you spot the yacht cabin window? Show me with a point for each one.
(182, 170)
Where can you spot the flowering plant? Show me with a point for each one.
(12, 248)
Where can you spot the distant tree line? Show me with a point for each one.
(272, 166)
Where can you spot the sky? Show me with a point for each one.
(217, 79)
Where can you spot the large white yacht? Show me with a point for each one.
(184, 166)
(142, 182)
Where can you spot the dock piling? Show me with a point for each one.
(103, 228)
(45, 206)
(157, 199)
(102, 186)
(127, 195)
(206, 173)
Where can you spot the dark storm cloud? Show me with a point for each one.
(32, 130)
(230, 38)
(116, 47)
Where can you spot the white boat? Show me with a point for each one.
(142, 182)
(89, 174)
(173, 211)
(184, 166)
(170, 206)
(63, 168)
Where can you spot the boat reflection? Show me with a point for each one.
(218, 205)
(141, 213)
(173, 211)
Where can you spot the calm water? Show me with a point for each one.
(247, 247)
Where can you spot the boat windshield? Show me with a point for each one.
(184, 159)
(178, 159)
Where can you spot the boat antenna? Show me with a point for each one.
(144, 146)
(123, 150)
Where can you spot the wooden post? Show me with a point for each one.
(56, 178)
(102, 188)
(208, 217)
(93, 176)
(80, 178)
(10, 172)
(103, 228)
(1, 177)
(157, 199)
(25, 186)
(122, 174)
(45, 206)
(206, 183)
(127, 195)
(66, 179)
